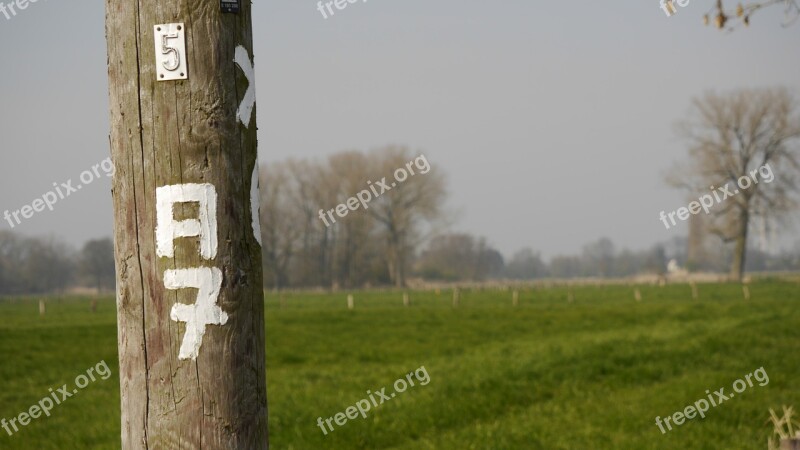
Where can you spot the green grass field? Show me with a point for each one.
(548, 374)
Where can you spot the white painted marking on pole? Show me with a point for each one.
(242, 59)
(208, 281)
(204, 311)
(255, 210)
(205, 227)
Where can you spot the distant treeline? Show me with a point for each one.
(404, 233)
(48, 265)
(45, 265)
(361, 219)
(399, 235)
(461, 257)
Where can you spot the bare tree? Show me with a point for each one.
(324, 185)
(46, 264)
(525, 265)
(598, 257)
(459, 256)
(403, 210)
(349, 220)
(725, 18)
(351, 169)
(97, 263)
(34, 265)
(280, 216)
(9, 255)
(303, 192)
(734, 138)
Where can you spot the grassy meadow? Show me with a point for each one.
(548, 374)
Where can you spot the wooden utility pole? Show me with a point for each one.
(190, 304)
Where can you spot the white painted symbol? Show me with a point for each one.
(242, 59)
(205, 227)
(208, 281)
(254, 204)
(204, 311)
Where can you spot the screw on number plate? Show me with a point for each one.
(170, 47)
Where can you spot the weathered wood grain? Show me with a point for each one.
(177, 132)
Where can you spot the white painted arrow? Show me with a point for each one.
(245, 111)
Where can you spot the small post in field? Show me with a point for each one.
(350, 301)
(637, 295)
(746, 292)
(515, 298)
(41, 307)
(406, 301)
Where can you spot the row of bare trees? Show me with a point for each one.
(373, 244)
(730, 135)
(41, 265)
(400, 233)
(462, 257)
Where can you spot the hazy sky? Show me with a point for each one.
(553, 120)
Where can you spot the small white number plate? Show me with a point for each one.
(170, 41)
